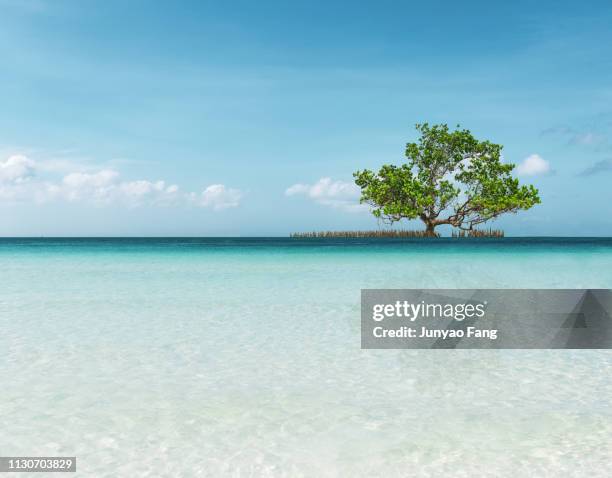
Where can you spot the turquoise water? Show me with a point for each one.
(241, 357)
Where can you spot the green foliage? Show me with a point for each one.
(449, 178)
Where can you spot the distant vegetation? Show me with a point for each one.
(378, 233)
(396, 233)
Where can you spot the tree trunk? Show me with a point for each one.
(430, 228)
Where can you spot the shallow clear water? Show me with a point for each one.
(241, 357)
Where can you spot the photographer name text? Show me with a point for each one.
(405, 310)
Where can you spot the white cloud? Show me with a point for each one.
(297, 189)
(337, 194)
(142, 190)
(100, 186)
(19, 182)
(105, 187)
(218, 197)
(16, 169)
(534, 165)
(100, 179)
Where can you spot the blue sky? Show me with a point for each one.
(211, 118)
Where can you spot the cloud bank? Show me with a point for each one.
(337, 194)
(23, 179)
(217, 197)
(16, 169)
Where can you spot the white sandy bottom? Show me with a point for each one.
(142, 369)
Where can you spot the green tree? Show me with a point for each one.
(449, 178)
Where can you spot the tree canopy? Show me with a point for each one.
(450, 177)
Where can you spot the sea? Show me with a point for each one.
(241, 357)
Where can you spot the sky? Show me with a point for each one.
(197, 118)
